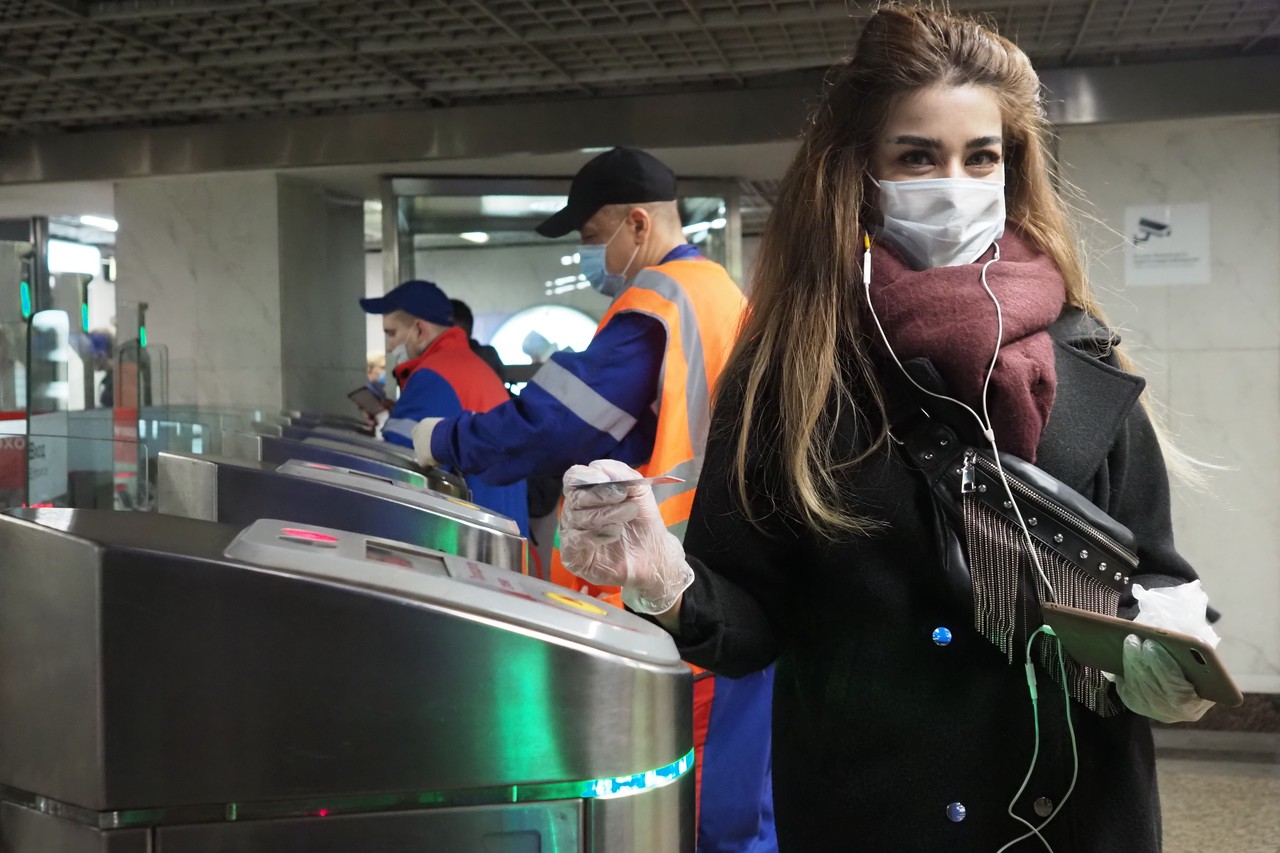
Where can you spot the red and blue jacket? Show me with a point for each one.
(448, 380)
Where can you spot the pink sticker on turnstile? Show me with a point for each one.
(309, 535)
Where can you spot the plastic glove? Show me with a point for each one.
(1177, 608)
(1154, 686)
(422, 441)
(615, 536)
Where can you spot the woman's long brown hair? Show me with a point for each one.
(801, 358)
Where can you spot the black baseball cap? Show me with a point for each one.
(421, 299)
(618, 176)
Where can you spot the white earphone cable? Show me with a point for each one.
(984, 423)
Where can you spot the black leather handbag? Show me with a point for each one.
(1089, 558)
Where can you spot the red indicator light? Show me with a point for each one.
(318, 465)
(309, 535)
(323, 813)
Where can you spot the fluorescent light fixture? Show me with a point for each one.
(697, 227)
(74, 257)
(475, 236)
(101, 222)
(521, 205)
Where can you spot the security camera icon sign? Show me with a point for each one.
(1148, 228)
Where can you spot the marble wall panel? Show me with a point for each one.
(1211, 352)
(203, 254)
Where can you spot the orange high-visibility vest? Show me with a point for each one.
(700, 307)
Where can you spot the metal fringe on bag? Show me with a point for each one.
(999, 565)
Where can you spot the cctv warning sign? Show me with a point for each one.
(1168, 244)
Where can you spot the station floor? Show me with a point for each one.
(1219, 791)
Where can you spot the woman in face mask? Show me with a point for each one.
(918, 271)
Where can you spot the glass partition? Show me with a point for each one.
(65, 471)
(140, 369)
(56, 368)
(13, 370)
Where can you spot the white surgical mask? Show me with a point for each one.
(396, 357)
(941, 222)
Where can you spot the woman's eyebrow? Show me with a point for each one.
(919, 141)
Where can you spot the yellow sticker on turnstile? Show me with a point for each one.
(463, 503)
(576, 602)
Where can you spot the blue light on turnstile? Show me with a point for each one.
(637, 783)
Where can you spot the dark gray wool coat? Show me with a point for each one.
(877, 729)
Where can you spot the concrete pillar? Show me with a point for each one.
(322, 279)
(251, 283)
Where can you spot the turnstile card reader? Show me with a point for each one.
(368, 448)
(190, 686)
(265, 448)
(439, 480)
(236, 491)
(399, 490)
(465, 585)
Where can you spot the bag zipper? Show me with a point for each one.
(968, 483)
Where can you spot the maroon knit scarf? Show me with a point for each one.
(945, 316)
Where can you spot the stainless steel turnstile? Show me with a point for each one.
(325, 419)
(271, 448)
(178, 686)
(355, 445)
(236, 491)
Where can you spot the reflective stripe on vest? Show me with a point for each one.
(700, 308)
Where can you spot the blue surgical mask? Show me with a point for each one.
(591, 263)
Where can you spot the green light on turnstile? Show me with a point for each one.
(142, 335)
(24, 289)
(610, 787)
(84, 317)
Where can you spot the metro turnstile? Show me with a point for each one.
(324, 419)
(236, 491)
(273, 448)
(178, 686)
(366, 447)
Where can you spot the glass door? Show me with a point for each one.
(475, 238)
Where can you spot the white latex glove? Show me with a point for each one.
(422, 441)
(1176, 608)
(614, 536)
(1154, 686)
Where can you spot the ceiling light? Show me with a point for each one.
(74, 257)
(521, 205)
(102, 222)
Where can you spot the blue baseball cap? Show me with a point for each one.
(421, 299)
